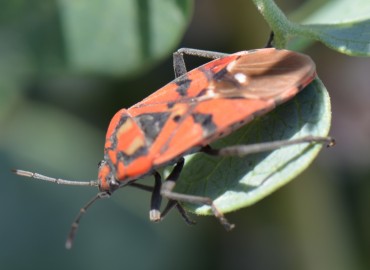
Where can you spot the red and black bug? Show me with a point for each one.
(188, 114)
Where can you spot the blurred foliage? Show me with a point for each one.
(53, 117)
(121, 37)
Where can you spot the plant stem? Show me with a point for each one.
(277, 20)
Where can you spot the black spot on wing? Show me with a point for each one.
(176, 118)
(206, 121)
(151, 124)
(221, 75)
(183, 85)
(226, 80)
(171, 104)
(127, 159)
(202, 92)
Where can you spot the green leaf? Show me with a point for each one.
(340, 11)
(235, 182)
(351, 38)
(121, 37)
(340, 25)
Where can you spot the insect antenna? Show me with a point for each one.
(92, 183)
(76, 222)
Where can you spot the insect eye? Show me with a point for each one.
(113, 184)
(101, 163)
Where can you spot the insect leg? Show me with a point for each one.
(170, 205)
(201, 53)
(174, 175)
(156, 200)
(169, 185)
(154, 213)
(179, 62)
(141, 186)
(243, 150)
(270, 40)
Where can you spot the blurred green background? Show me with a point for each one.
(53, 116)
